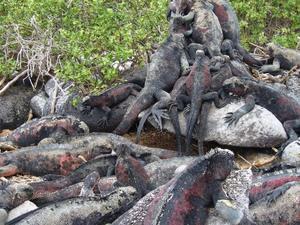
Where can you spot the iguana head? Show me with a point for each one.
(221, 162)
(235, 86)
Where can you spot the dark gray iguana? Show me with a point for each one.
(283, 58)
(166, 66)
(285, 108)
(186, 198)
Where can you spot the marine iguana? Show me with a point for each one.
(62, 158)
(166, 65)
(55, 126)
(108, 99)
(231, 30)
(13, 194)
(79, 210)
(180, 96)
(285, 108)
(130, 172)
(284, 58)
(264, 184)
(206, 27)
(187, 197)
(102, 164)
(49, 159)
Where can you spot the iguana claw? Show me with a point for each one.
(231, 118)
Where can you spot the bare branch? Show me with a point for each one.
(10, 83)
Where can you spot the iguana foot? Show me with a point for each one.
(158, 114)
(232, 118)
(103, 122)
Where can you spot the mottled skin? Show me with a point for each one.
(130, 172)
(13, 195)
(262, 185)
(103, 165)
(284, 211)
(187, 197)
(81, 210)
(283, 58)
(166, 65)
(285, 108)
(230, 28)
(206, 27)
(49, 159)
(201, 85)
(108, 99)
(55, 126)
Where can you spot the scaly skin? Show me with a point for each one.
(283, 58)
(130, 172)
(108, 99)
(163, 71)
(261, 185)
(201, 85)
(13, 195)
(230, 27)
(51, 159)
(187, 197)
(206, 27)
(55, 126)
(101, 164)
(89, 210)
(285, 108)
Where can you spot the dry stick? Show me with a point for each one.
(54, 97)
(10, 83)
(245, 160)
(2, 81)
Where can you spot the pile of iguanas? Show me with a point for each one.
(190, 68)
(102, 178)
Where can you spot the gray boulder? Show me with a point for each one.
(15, 107)
(291, 154)
(259, 128)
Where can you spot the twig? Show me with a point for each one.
(2, 81)
(265, 162)
(10, 83)
(245, 160)
(54, 97)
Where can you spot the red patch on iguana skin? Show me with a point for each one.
(68, 163)
(121, 173)
(221, 12)
(271, 184)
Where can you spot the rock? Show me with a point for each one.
(3, 216)
(236, 186)
(283, 210)
(292, 87)
(15, 106)
(291, 154)
(20, 210)
(259, 128)
(37, 104)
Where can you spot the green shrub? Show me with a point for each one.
(87, 36)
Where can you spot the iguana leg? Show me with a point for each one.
(158, 111)
(103, 121)
(247, 58)
(173, 111)
(233, 117)
(145, 99)
(273, 195)
(290, 126)
(227, 49)
(214, 96)
(275, 67)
